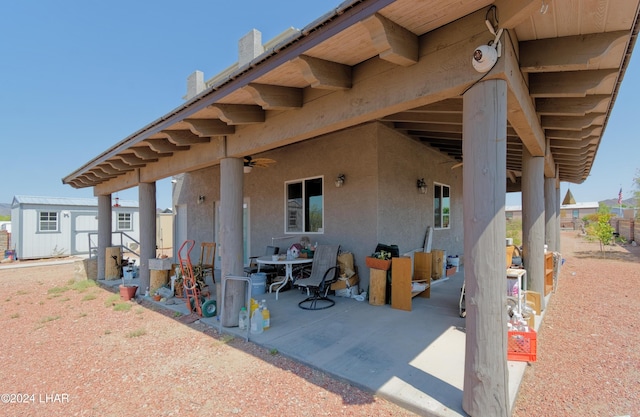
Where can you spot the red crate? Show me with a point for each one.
(522, 346)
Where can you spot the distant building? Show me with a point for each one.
(571, 215)
(47, 227)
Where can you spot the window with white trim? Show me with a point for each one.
(304, 211)
(48, 221)
(441, 206)
(125, 221)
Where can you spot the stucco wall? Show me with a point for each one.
(404, 212)
(379, 201)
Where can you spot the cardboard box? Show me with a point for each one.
(451, 270)
(342, 283)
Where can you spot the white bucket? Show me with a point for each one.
(258, 284)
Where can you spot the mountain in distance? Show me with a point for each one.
(613, 202)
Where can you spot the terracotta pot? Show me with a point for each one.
(127, 292)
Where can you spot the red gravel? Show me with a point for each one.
(69, 352)
(589, 342)
(73, 354)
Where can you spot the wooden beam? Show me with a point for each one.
(573, 53)
(561, 143)
(429, 127)
(393, 42)
(184, 137)
(145, 153)
(572, 83)
(574, 135)
(90, 176)
(514, 12)
(164, 146)
(275, 97)
(573, 106)
(100, 172)
(119, 164)
(239, 114)
(131, 160)
(572, 122)
(426, 117)
(109, 169)
(521, 112)
(322, 74)
(210, 127)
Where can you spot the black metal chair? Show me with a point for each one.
(270, 270)
(324, 272)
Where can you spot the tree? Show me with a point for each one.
(600, 228)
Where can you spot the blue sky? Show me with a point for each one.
(78, 76)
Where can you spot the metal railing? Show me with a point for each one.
(127, 244)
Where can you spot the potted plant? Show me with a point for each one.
(379, 260)
(127, 292)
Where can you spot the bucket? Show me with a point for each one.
(258, 283)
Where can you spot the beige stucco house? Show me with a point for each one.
(388, 92)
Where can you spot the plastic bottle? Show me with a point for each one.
(253, 306)
(243, 319)
(266, 315)
(146, 292)
(257, 322)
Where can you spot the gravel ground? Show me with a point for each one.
(73, 350)
(588, 358)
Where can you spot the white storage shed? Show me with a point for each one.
(47, 227)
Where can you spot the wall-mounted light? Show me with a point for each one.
(200, 199)
(340, 180)
(422, 186)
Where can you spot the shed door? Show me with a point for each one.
(83, 224)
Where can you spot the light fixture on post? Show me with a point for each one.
(340, 180)
(200, 199)
(422, 186)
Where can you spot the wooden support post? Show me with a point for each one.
(231, 184)
(484, 146)
(104, 233)
(147, 197)
(533, 224)
(550, 213)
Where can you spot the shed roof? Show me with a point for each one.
(65, 201)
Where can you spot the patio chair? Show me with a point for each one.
(270, 270)
(208, 259)
(324, 271)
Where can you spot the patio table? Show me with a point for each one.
(288, 268)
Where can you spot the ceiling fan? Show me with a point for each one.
(250, 162)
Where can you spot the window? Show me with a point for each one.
(304, 206)
(124, 221)
(441, 206)
(48, 221)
